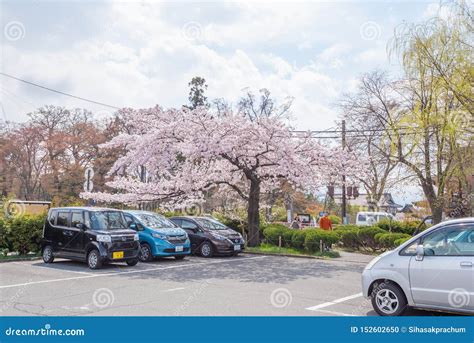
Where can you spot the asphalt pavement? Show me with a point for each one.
(246, 285)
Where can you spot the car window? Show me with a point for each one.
(154, 221)
(176, 221)
(410, 250)
(52, 216)
(128, 219)
(62, 219)
(107, 220)
(76, 218)
(186, 224)
(454, 240)
(361, 218)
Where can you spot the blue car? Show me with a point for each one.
(158, 236)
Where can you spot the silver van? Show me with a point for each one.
(433, 270)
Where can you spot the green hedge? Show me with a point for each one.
(273, 232)
(406, 227)
(21, 234)
(335, 219)
(388, 240)
(349, 236)
(314, 236)
(298, 238)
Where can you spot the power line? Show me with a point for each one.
(59, 92)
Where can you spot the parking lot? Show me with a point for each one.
(243, 286)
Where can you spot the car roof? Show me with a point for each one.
(85, 208)
(141, 212)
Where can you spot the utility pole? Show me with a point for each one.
(344, 214)
(142, 171)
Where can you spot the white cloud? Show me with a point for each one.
(140, 54)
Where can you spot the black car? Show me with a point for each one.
(210, 237)
(89, 234)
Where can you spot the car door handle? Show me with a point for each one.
(67, 233)
(466, 264)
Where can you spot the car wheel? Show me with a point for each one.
(180, 257)
(93, 259)
(48, 256)
(133, 262)
(206, 249)
(145, 254)
(388, 300)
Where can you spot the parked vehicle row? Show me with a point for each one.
(102, 235)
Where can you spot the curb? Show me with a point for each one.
(290, 255)
(20, 259)
(334, 259)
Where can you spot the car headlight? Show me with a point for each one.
(104, 238)
(135, 237)
(219, 237)
(159, 235)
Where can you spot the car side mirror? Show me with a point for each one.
(420, 252)
(81, 226)
(139, 227)
(132, 226)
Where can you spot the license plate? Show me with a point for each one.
(236, 247)
(179, 249)
(117, 254)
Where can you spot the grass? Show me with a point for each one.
(18, 257)
(273, 249)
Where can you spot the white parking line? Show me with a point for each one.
(127, 272)
(174, 289)
(337, 301)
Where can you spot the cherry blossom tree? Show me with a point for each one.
(187, 152)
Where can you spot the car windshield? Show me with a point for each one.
(107, 220)
(211, 224)
(155, 221)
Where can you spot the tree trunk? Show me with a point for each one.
(253, 216)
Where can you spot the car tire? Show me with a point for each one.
(388, 299)
(132, 262)
(145, 255)
(94, 261)
(180, 257)
(206, 249)
(48, 256)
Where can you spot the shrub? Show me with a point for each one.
(335, 219)
(287, 237)
(297, 240)
(400, 241)
(273, 232)
(407, 227)
(350, 238)
(25, 232)
(387, 240)
(390, 225)
(314, 236)
(367, 239)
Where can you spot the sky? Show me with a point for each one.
(142, 53)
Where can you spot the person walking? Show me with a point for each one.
(325, 222)
(296, 223)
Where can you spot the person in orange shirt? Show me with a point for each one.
(325, 222)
